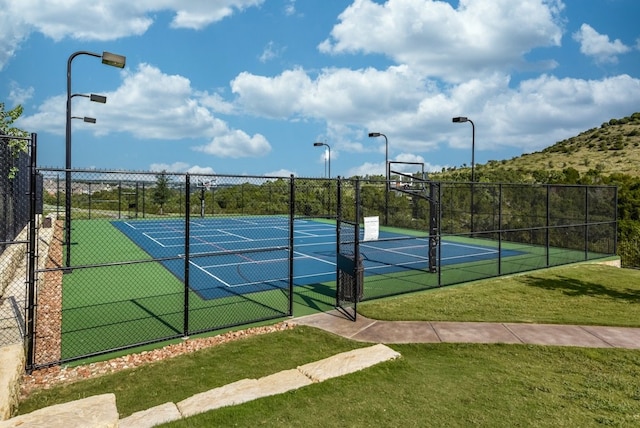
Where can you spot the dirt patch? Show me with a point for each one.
(48, 329)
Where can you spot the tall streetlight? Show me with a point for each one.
(320, 144)
(462, 119)
(386, 174)
(108, 58)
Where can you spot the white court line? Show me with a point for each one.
(146, 235)
(204, 268)
(395, 251)
(314, 244)
(307, 256)
(164, 231)
(464, 256)
(474, 247)
(225, 233)
(210, 274)
(245, 263)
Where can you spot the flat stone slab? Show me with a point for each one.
(149, 418)
(227, 395)
(287, 380)
(281, 382)
(348, 362)
(242, 391)
(11, 369)
(98, 411)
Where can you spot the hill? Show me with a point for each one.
(614, 147)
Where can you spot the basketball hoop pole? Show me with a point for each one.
(203, 185)
(202, 202)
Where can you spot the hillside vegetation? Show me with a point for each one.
(614, 147)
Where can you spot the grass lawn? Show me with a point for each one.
(431, 384)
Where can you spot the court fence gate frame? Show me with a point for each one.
(103, 293)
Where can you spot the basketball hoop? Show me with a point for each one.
(206, 184)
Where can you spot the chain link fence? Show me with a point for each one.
(132, 264)
(479, 230)
(15, 238)
(133, 258)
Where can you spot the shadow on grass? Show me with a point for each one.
(576, 287)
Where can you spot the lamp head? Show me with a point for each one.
(374, 134)
(318, 144)
(460, 119)
(113, 60)
(85, 119)
(98, 98)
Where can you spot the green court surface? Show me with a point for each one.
(117, 295)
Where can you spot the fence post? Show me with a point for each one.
(586, 223)
(338, 231)
(500, 229)
(31, 277)
(292, 205)
(548, 222)
(187, 233)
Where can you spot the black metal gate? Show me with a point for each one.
(349, 271)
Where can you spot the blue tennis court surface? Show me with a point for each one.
(238, 255)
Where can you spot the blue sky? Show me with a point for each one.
(247, 86)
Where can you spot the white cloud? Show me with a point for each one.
(197, 14)
(103, 19)
(14, 33)
(369, 168)
(19, 95)
(598, 46)
(281, 173)
(416, 113)
(276, 97)
(290, 8)
(150, 104)
(347, 95)
(174, 167)
(271, 51)
(547, 109)
(236, 144)
(444, 42)
(181, 167)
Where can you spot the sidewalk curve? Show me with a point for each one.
(375, 331)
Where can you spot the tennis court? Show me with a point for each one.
(251, 254)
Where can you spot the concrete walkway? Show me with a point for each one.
(388, 332)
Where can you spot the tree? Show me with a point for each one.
(161, 192)
(6, 128)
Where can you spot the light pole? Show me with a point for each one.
(320, 144)
(461, 119)
(386, 174)
(108, 58)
